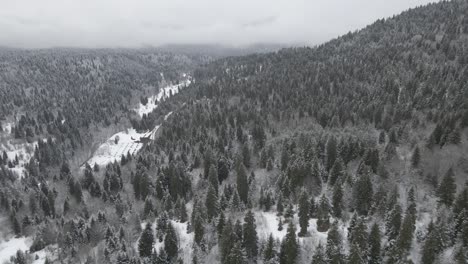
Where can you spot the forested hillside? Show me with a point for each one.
(354, 151)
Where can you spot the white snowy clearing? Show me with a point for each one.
(9, 247)
(267, 223)
(164, 93)
(39, 257)
(119, 144)
(23, 151)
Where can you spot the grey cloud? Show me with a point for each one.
(123, 23)
(260, 22)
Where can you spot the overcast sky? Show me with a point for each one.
(136, 23)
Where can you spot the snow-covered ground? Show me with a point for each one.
(9, 247)
(267, 223)
(163, 94)
(185, 240)
(23, 151)
(6, 128)
(42, 255)
(112, 150)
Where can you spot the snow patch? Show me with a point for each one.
(116, 146)
(42, 255)
(164, 93)
(24, 151)
(9, 247)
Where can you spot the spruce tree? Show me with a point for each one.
(171, 242)
(319, 256)
(393, 222)
(250, 235)
(279, 205)
(227, 240)
(447, 188)
(146, 242)
(416, 157)
(289, 246)
(221, 224)
(212, 206)
(331, 152)
(323, 214)
(363, 193)
(236, 255)
(337, 201)
(336, 172)
(355, 255)
(213, 178)
(374, 245)
(304, 208)
(242, 183)
(269, 251)
(334, 246)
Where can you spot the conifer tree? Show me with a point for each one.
(269, 251)
(227, 240)
(304, 208)
(374, 245)
(331, 152)
(171, 242)
(289, 246)
(323, 214)
(319, 256)
(363, 193)
(221, 224)
(393, 222)
(355, 255)
(358, 234)
(212, 206)
(416, 157)
(250, 235)
(334, 246)
(242, 183)
(336, 172)
(213, 178)
(146, 242)
(337, 201)
(447, 188)
(279, 205)
(236, 255)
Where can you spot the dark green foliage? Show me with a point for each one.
(250, 235)
(212, 205)
(304, 208)
(171, 242)
(242, 183)
(146, 242)
(289, 246)
(393, 222)
(332, 153)
(323, 211)
(416, 157)
(374, 245)
(236, 255)
(269, 251)
(363, 193)
(447, 188)
(319, 255)
(336, 172)
(337, 201)
(334, 245)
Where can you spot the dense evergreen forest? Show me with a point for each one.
(354, 151)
